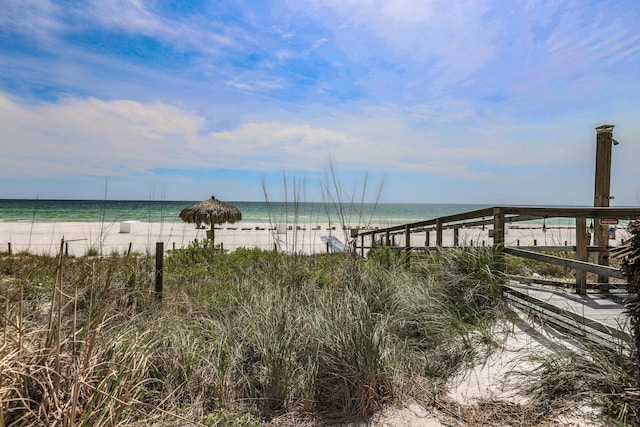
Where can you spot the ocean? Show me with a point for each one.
(110, 211)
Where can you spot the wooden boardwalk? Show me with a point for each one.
(598, 317)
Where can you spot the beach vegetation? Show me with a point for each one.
(92, 251)
(239, 338)
(386, 256)
(601, 375)
(253, 337)
(526, 267)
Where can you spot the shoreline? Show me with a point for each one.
(106, 238)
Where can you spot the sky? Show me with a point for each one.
(417, 101)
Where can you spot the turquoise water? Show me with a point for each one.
(168, 211)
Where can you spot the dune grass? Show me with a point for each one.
(246, 338)
(238, 339)
(599, 375)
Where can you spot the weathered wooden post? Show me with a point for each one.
(439, 232)
(456, 236)
(362, 246)
(407, 244)
(9, 247)
(387, 238)
(581, 255)
(498, 238)
(426, 238)
(601, 194)
(159, 269)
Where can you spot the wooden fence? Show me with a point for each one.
(496, 219)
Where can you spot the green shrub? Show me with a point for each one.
(386, 256)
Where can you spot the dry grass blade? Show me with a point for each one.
(130, 404)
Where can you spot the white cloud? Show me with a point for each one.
(44, 17)
(79, 136)
(134, 16)
(451, 38)
(254, 82)
(90, 136)
(47, 21)
(272, 146)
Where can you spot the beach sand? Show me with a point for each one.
(498, 378)
(45, 237)
(141, 237)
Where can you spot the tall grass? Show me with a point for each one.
(239, 338)
(347, 206)
(341, 208)
(599, 375)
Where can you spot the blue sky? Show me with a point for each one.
(491, 102)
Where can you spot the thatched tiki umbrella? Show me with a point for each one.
(211, 211)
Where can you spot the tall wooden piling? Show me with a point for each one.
(602, 192)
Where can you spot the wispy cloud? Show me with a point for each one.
(45, 18)
(138, 17)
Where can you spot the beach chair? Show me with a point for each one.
(334, 243)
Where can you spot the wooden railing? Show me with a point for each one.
(496, 219)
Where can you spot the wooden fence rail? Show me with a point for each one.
(496, 219)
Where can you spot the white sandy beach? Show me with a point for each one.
(80, 237)
(141, 237)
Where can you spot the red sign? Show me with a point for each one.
(608, 221)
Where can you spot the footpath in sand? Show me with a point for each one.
(499, 378)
